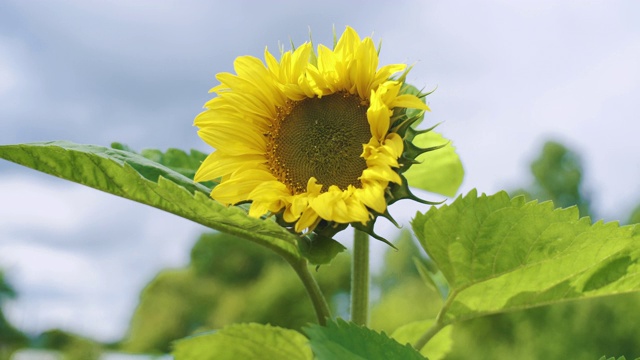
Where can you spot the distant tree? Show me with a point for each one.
(228, 259)
(171, 306)
(6, 291)
(10, 337)
(634, 218)
(72, 346)
(558, 175)
(228, 280)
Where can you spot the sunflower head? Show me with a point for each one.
(319, 138)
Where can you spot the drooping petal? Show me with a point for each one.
(219, 164)
(268, 196)
(238, 187)
(379, 116)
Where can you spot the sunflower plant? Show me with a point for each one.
(322, 139)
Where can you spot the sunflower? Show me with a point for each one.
(317, 136)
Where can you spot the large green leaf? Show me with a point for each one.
(440, 171)
(134, 177)
(343, 340)
(499, 254)
(244, 341)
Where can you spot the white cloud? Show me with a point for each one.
(585, 97)
(55, 286)
(79, 257)
(44, 269)
(8, 76)
(53, 206)
(15, 75)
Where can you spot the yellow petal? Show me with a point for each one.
(309, 219)
(372, 195)
(218, 164)
(268, 196)
(239, 186)
(378, 116)
(409, 101)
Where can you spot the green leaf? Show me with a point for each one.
(318, 249)
(437, 348)
(433, 279)
(174, 159)
(244, 341)
(500, 254)
(134, 177)
(440, 171)
(343, 340)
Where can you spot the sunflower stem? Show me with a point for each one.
(360, 278)
(313, 290)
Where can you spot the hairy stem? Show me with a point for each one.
(360, 278)
(313, 290)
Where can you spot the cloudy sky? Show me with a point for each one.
(509, 75)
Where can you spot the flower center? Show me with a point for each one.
(321, 138)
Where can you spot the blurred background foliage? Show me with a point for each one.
(10, 337)
(230, 280)
(557, 176)
(72, 346)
